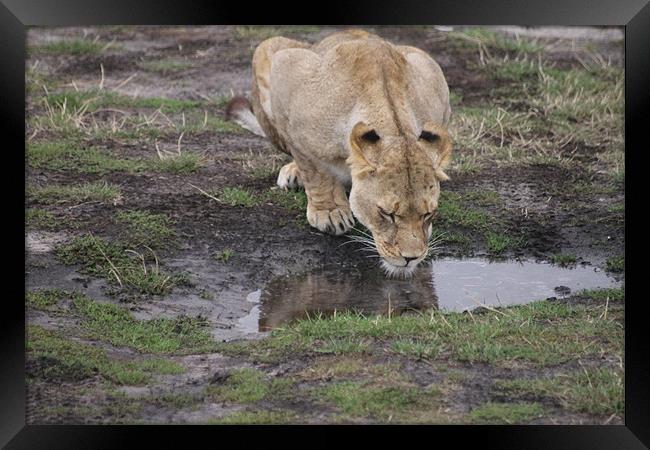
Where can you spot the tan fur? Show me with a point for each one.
(316, 102)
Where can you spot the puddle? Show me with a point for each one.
(447, 284)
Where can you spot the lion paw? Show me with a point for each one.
(289, 176)
(336, 221)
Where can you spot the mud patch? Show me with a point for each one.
(38, 242)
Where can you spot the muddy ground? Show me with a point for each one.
(567, 201)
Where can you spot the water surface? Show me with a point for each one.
(447, 284)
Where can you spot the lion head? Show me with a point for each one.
(395, 189)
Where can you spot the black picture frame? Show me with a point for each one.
(16, 15)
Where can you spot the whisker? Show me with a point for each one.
(362, 232)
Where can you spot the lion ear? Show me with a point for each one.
(362, 140)
(437, 136)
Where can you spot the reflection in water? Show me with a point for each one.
(459, 285)
(366, 291)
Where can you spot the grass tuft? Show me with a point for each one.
(87, 192)
(38, 218)
(249, 386)
(146, 228)
(591, 390)
(564, 260)
(119, 264)
(70, 47)
(115, 325)
(44, 298)
(261, 417)
(506, 413)
(55, 357)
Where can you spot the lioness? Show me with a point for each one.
(355, 111)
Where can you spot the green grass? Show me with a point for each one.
(113, 262)
(249, 386)
(69, 47)
(492, 40)
(537, 334)
(497, 243)
(38, 218)
(60, 358)
(45, 298)
(69, 114)
(343, 346)
(484, 197)
(94, 99)
(339, 366)
(294, 200)
(174, 401)
(462, 220)
(99, 191)
(162, 366)
(540, 109)
(416, 349)
(183, 164)
(115, 325)
(615, 264)
(615, 294)
(453, 210)
(224, 255)
(618, 208)
(235, 196)
(564, 260)
(597, 391)
(360, 399)
(146, 228)
(72, 155)
(506, 413)
(261, 417)
(515, 70)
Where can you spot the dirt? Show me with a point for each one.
(267, 240)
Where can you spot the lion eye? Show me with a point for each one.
(387, 215)
(428, 136)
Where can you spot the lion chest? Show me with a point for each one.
(339, 170)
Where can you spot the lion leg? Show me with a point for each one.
(289, 176)
(328, 208)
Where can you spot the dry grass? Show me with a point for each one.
(564, 112)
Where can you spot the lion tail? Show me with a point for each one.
(239, 110)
